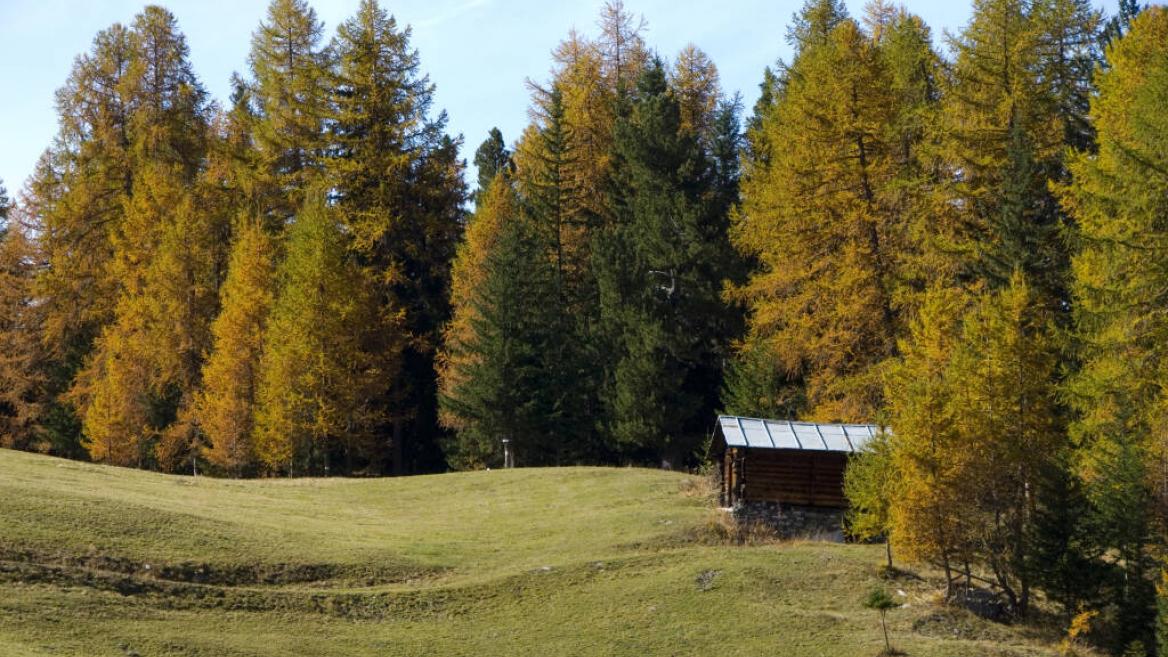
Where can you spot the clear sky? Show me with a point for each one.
(477, 52)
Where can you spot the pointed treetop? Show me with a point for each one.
(491, 159)
(814, 22)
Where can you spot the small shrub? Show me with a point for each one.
(1080, 626)
(881, 601)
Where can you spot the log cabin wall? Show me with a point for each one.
(801, 478)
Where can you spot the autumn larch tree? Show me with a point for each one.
(22, 361)
(290, 92)
(1119, 198)
(313, 374)
(224, 410)
(145, 361)
(399, 191)
(825, 218)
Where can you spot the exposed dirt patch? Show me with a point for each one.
(258, 574)
(349, 604)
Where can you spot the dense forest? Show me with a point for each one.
(963, 239)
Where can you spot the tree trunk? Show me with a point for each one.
(884, 625)
(396, 449)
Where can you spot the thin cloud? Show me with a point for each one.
(452, 13)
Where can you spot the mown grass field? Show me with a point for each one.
(98, 561)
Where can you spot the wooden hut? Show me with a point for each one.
(785, 463)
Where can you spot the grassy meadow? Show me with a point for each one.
(98, 561)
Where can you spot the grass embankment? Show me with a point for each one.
(98, 561)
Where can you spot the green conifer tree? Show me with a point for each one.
(491, 158)
(660, 270)
(508, 388)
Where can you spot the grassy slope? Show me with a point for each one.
(573, 561)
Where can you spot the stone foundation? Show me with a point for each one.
(793, 521)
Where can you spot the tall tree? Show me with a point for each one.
(313, 375)
(491, 158)
(76, 201)
(1003, 404)
(22, 358)
(398, 183)
(224, 410)
(1020, 81)
(1118, 199)
(694, 79)
(461, 348)
(660, 270)
(821, 219)
(291, 95)
(930, 519)
(507, 387)
(145, 362)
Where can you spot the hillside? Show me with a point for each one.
(100, 561)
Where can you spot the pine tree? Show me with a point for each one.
(224, 408)
(313, 375)
(1118, 201)
(399, 188)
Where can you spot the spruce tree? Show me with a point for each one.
(460, 341)
(507, 389)
(491, 159)
(660, 270)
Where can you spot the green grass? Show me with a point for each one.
(574, 561)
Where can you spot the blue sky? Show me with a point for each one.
(478, 52)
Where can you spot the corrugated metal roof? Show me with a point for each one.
(782, 434)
